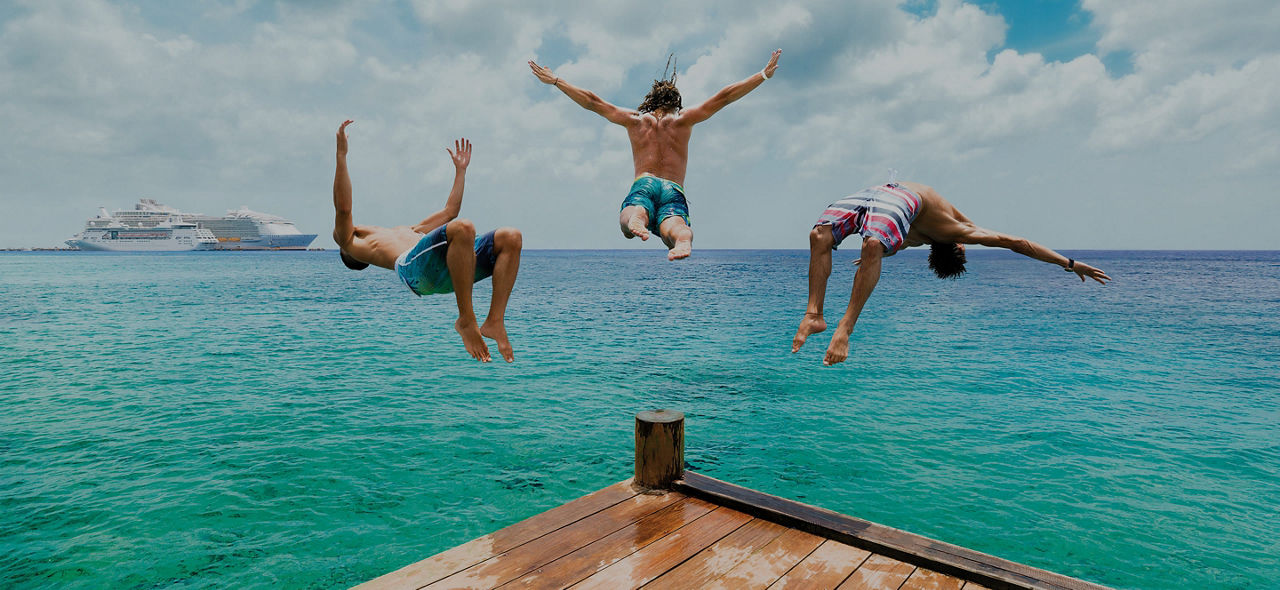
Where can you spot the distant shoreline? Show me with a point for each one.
(158, 252)
(624, 250)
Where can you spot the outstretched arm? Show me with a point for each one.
(730, 93)
(343, 227)
(585, 98)
(1025, 247)
(461, 155)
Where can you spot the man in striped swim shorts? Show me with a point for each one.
(888, 218)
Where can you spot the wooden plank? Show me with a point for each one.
(765, 566)
(825, 568)
(878, 573)
(974, 586)
(716, 560)
(641, 567)
(575, 566)
(463, 556)
(953, 560)
(924, 579)
(521, 560)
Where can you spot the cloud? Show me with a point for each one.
(111, 103)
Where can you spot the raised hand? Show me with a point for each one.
(342, 137)
(543, 73)
(773, 63)
(461, 153)
(1088, 272)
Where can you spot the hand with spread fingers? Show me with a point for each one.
(543, 73)
(1085, 271)
(461, 153)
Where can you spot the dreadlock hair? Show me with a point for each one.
(663, 96)
(946, 260)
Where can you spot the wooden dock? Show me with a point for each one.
(667, 528)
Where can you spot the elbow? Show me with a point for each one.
(451, 213)
(1020, 245)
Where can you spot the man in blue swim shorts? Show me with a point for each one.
(436, 255)
(659, 130)
(887, 219)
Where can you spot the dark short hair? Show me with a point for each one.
(946, 260)
(662, 97)
(352, 263)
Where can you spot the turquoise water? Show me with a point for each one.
(264, 420)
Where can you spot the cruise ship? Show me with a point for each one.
(167, 234)
(239, 229)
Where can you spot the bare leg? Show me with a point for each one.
(820, 244)
(678, 236)
(507, 243)
(461, 259)
(864, 282)
(635, 221)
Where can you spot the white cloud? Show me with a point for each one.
(109, 105)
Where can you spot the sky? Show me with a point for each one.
(1090, 124)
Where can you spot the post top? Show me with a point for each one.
(660, 416)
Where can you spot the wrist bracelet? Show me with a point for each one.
(764, 75)
(1071, 263)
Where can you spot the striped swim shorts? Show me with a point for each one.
(882, 212)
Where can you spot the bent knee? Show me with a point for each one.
(821, 236)
(872, 247)
(461, 226)
(508, 237)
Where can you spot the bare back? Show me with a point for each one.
(660, 145)
(938, 221)
(380, 246)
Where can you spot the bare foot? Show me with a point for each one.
(498, 331)
(637, 226)
(838, 350)
(811, 324)
(682, 249)
(472, 339)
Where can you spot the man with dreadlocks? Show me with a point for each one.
(891, 217)
(659, 130)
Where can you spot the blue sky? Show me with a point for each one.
(1091, 124)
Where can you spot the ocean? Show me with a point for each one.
(273, 420)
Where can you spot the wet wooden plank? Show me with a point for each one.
(922, 551)
(512, 564)
(463, 556)
(575, 566)
(924, 579)
(716, 560)
(878, 573)
(643, 566)
(825, 568)
(765, 566)
(974, 586)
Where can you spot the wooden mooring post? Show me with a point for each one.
(659, 449)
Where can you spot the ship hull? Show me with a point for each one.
(129, 246)
(278, 242)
